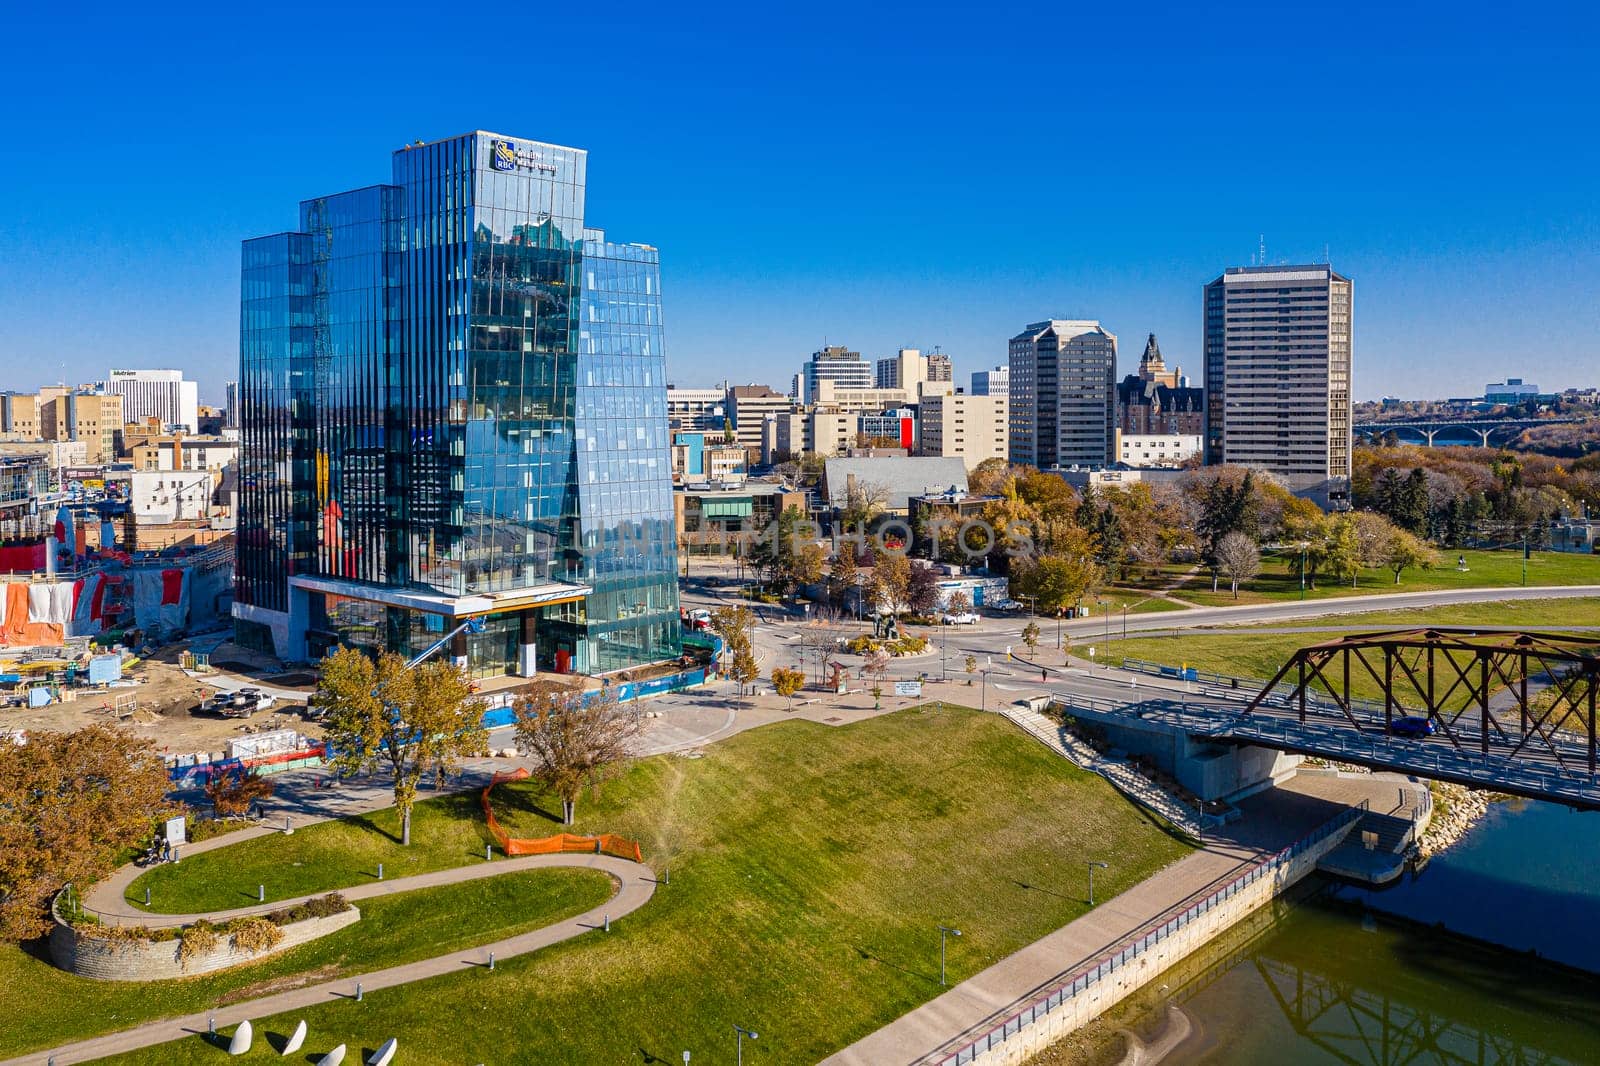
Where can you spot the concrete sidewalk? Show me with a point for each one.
(1272, 820)
(637, 886)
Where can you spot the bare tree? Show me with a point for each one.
(1239, 558)
(574, 742)
(820, 636)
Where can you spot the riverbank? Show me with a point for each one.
(1456, 811)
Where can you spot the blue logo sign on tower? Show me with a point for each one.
(503, 155)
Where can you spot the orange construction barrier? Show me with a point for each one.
(605, 843)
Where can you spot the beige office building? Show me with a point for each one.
(973, 428)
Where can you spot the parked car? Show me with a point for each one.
(1008, 605)
(964, 618)
(1414, 726)
(699, 618)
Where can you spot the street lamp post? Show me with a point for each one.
(1124, 621)
(739, 1033)
(1092, 865)
(944, 931)
(1107, 605)
(1303, 547)
(944, 644)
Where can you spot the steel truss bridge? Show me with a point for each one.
(1514, 712)
(1456, 431)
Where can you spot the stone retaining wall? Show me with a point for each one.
(1112, 989)
(86, 955)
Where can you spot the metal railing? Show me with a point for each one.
(1141, 941)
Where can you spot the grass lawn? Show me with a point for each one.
(1280, 578)
(810, 867)
(1258, 652)
(43, 1006)
(445, 832)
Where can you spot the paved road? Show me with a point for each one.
(636, 884)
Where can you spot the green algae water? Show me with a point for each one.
(1489, 955)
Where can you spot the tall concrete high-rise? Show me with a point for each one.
(941, 367)
(1277, 375)
(996, 382)
(1063, 394)
(835, 363)
(162, 394)
(453, 406)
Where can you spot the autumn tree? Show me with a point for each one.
(573, 741)
(382, 714)
(970, 664)
(70, 805)
(922, 591)
(1239, 558)
(231, 793)
(1030, 637)
(1056, 582)
(786, 683)
(891, 579)
(1403, 551)
(958, 603)
(843, 574)
(736, 624)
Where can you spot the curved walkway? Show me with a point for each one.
(636, 885)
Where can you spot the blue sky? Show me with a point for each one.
(845, 174)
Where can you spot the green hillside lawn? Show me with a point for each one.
(810, 867)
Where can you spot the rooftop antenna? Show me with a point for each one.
(1263, 257)
(1326, 261)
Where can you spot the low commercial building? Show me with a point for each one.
(699, 457)
(716, 521)
(180, 452)
(891, 482)
(941, 511)
(1158, 449)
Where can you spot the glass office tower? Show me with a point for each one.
(453, 400)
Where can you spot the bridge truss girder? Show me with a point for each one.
(1407, 664)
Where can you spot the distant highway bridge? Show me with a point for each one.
(1482, 431)
(1512, 712)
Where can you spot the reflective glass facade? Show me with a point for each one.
(450, 383)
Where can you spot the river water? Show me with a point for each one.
(1356, 976)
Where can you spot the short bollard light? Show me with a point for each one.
(380, 871)
(288, 830)
(147, 896)
(261, 893)
(211, 1023)
(358, 991)
(491, 960)
(608, 923)
(488, 852)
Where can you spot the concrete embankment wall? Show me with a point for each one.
(144, 960)
(1104, 994)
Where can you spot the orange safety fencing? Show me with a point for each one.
(604, 844)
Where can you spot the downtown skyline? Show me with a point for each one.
(819, 206)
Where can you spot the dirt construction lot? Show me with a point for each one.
(166, 708)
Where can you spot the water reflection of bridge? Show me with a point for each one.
(1369, 1027)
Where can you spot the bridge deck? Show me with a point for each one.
(1535, 772)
